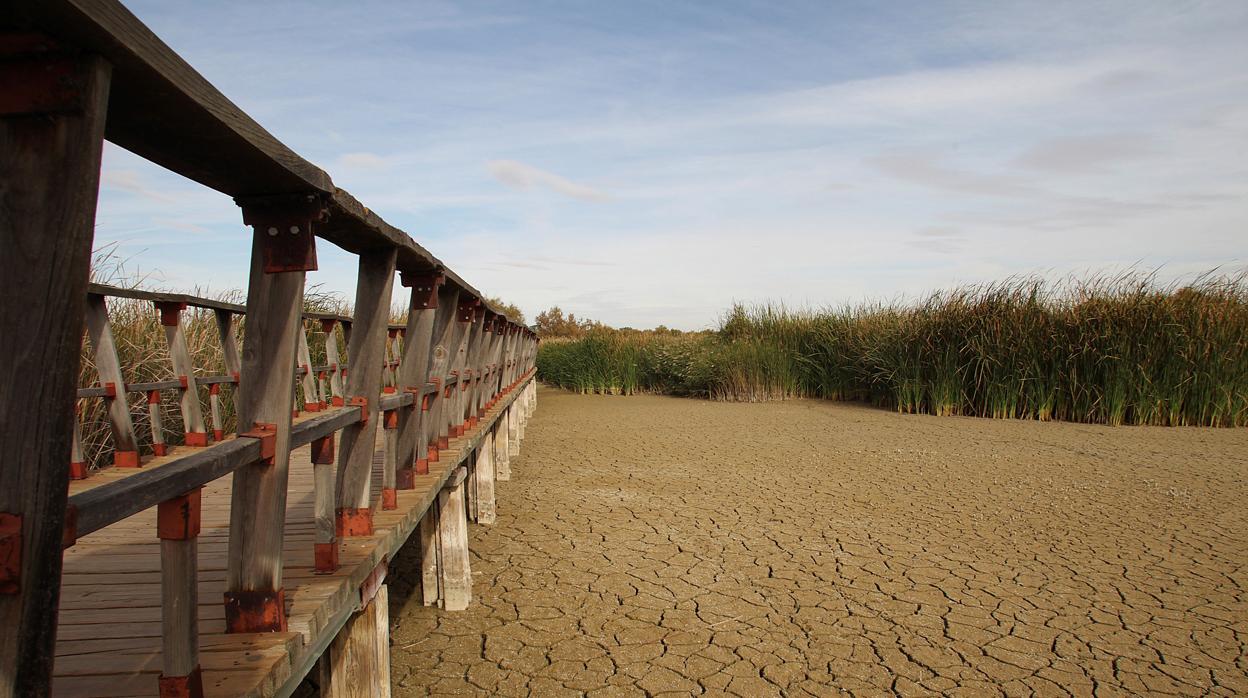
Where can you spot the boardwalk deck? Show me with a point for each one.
(109, 635)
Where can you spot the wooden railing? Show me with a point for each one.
(72, 73)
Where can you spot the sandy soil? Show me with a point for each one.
(649, 545)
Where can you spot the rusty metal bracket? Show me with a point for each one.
(258, 611)
(362, 403)
(170, 312)
(323, 450)
(284, 227)
(178, 518)
(266, 433)
(467, 308)
(424, 288)
(36, 79)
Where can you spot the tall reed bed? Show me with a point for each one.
(1112, 350)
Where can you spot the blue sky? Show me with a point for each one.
(647, 163)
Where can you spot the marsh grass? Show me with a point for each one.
(1110, 350)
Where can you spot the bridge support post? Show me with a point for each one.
(367, 348)
(430, 557)
(502, 455)
(456, 586)
(357, 663)
(51, 136)
(414, 371)
(282, 252)
(444, 337)
(178, 525)
(484, 477)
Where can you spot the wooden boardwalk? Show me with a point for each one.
(109, 635)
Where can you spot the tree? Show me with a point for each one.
(553, 323)
(513, 312)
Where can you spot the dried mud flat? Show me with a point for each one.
(651, 545)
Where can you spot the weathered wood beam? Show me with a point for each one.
(51, 137)
(367, 350)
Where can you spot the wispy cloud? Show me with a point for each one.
(518, 175)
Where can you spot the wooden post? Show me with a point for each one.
(77, 461)
(453, 538)
(214, 407)
(357, 663)
(331, 358)
(502, 457)
(158, 430)
(513, 429)
(311, 400)
(51, 137)
(325, 539)
(178, 523)
(414, 371)
(183, 370)
(389, 468)
(430, 557)
(283, 250)
(354, 513)
(108, 368)
(229, 343)
(484, 474)
(444, 332)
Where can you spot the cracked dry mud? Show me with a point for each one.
(652, 545)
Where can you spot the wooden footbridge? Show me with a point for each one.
(217, 560)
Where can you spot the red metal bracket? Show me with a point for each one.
(326, 557)
(424, 288)
(467, 309)
(170, 313)
(266, 433)
(362, 403)
(390, 419)
(110, 389)
(69, 532)
(189, 686)
(390, 498)
(39, 82)
(259, 611)
(178, 518)
(323, 450)
(10, 553)
(416, 397)
(198, 439)
(353, 522)
(327, 325)
(126, 459)
(283, 225)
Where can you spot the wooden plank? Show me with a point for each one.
(444, 336)
(414, 368)
(368, 337)
(163, 297)
(49, 180)
(335, 363)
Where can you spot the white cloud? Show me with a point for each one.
(518, 175)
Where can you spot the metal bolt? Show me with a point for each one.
(294, 230)
(272, 230)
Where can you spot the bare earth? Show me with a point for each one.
(648, 545)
